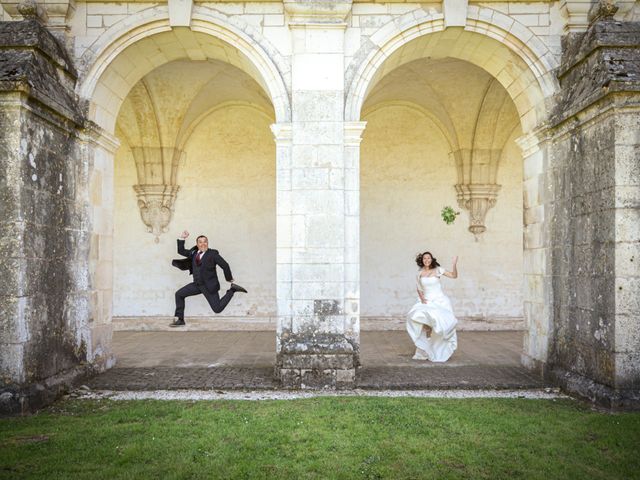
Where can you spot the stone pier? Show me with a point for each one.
(317, 208)
(51, 328)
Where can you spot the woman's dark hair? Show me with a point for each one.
(434, 262)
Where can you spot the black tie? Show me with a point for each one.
(199, 258)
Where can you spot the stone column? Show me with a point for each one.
(98, 150)
(352, 138)
(316, 351)
(538, 292)
(595, 216)
(282, 136)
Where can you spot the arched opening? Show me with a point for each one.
(192, 115)
(423, 144)
(447, 114)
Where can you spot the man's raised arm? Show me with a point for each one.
(181, 250)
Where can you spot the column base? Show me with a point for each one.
(316, 378)
(601, 395)
(583, 387)
(25, 399)
(323, 361)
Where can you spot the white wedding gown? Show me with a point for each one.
(438, 314)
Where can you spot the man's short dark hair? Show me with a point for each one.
(201, 236)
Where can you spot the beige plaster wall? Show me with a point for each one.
(407, 178)
(227, 192)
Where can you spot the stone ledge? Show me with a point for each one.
(198, 324)
(468, 324)
(595, 64)
(22, 400)
(269, 324)
(597, 393)
(602, 34)
(32, 62)
(30, 35)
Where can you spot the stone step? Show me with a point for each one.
(474, 377)
(224, 323)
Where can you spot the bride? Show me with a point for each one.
(431, 323)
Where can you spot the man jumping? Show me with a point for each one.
(201, 262)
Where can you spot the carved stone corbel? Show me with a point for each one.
(477, 199)
(477, 190)
(157, 189)
(156, 206)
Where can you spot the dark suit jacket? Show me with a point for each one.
(210, 260)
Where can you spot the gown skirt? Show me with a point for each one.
(437, 313)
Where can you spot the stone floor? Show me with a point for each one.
(233, 360)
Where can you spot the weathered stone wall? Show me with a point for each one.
(44, 238)
(595, 180)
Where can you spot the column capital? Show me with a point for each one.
(530, 142)
(353, 133)
(96, 135)
(576, 13)
(282, 134)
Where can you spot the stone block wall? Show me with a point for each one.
(45, 298)
(594, 188)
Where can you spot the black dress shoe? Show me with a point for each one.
(238, 288)
(178, 322)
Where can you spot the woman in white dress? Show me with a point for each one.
(431, 323)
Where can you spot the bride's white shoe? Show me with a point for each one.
(420, 355)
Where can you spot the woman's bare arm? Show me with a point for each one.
(454, 271)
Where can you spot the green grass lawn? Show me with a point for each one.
(346, 437)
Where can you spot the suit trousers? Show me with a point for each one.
(217, 304)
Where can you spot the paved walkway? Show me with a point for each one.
(245, 360)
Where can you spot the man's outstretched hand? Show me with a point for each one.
(184, 235)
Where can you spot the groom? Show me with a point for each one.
(201, 262)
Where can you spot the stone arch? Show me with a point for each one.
(148, 31)
(504, 48)
(524, 65)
